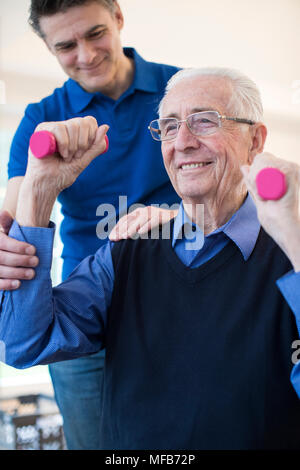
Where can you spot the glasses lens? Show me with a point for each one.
(204, 123)
(155, 130)
(164, 129)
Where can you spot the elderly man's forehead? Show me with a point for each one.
(202, 92)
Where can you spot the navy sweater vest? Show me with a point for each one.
(199, 358)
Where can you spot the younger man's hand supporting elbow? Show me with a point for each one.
(79, 141)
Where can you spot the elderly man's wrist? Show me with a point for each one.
(35, 203)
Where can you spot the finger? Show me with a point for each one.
(12, 259)
(7, 272)
(6, 221)
(98, 146)
(141, 221)
(133, 222)
(156, 217)
(63, 141)
(153, 225)
(9, 284)
(92, 128)
(88, 127)
(147, 217)
(73, 130)
(133, 230)
(148, 225)
(120, 229)
(15, 246)
(150, 219)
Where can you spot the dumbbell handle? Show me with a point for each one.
(43, 143)
(271, 183)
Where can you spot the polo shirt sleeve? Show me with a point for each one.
(40, 324)
(19, 148)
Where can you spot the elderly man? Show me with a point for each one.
(198, 340)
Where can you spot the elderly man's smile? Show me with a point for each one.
(194, 166)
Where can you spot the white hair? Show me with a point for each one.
(246, 100)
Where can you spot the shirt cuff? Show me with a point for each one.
(289, 286)
(40, 237)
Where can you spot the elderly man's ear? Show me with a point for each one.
(259, 135)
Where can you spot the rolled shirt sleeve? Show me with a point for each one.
(40, 324)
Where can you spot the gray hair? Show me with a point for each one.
(246, 100)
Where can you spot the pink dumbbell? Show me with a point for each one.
(43, 143)
(271, 183)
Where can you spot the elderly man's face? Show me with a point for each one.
(221, 154)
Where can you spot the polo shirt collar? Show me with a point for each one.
(144, 79)
(242, 228)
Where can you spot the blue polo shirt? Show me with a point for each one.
(132, 168)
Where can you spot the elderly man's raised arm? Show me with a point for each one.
(39, 325)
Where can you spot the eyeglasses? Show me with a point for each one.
(200, 124)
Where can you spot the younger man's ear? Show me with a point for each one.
(119, 16)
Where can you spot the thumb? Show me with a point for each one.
(6, 221)
(99, 145)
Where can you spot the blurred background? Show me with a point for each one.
(259, 37)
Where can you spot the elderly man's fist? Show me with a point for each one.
(280, 218)
(79, 141)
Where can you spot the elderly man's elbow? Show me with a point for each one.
(16, 358)
(18, 362)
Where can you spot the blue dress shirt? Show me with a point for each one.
(92, 283)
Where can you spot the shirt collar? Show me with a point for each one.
(242, 228)
(181, 221)
(144, 79)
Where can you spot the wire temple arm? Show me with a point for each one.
(245, 121)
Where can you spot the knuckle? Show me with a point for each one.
(24, 273)
(39, 127)
(44, 126)
(61, 126)
(90, 121)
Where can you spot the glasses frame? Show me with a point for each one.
(221, 118)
